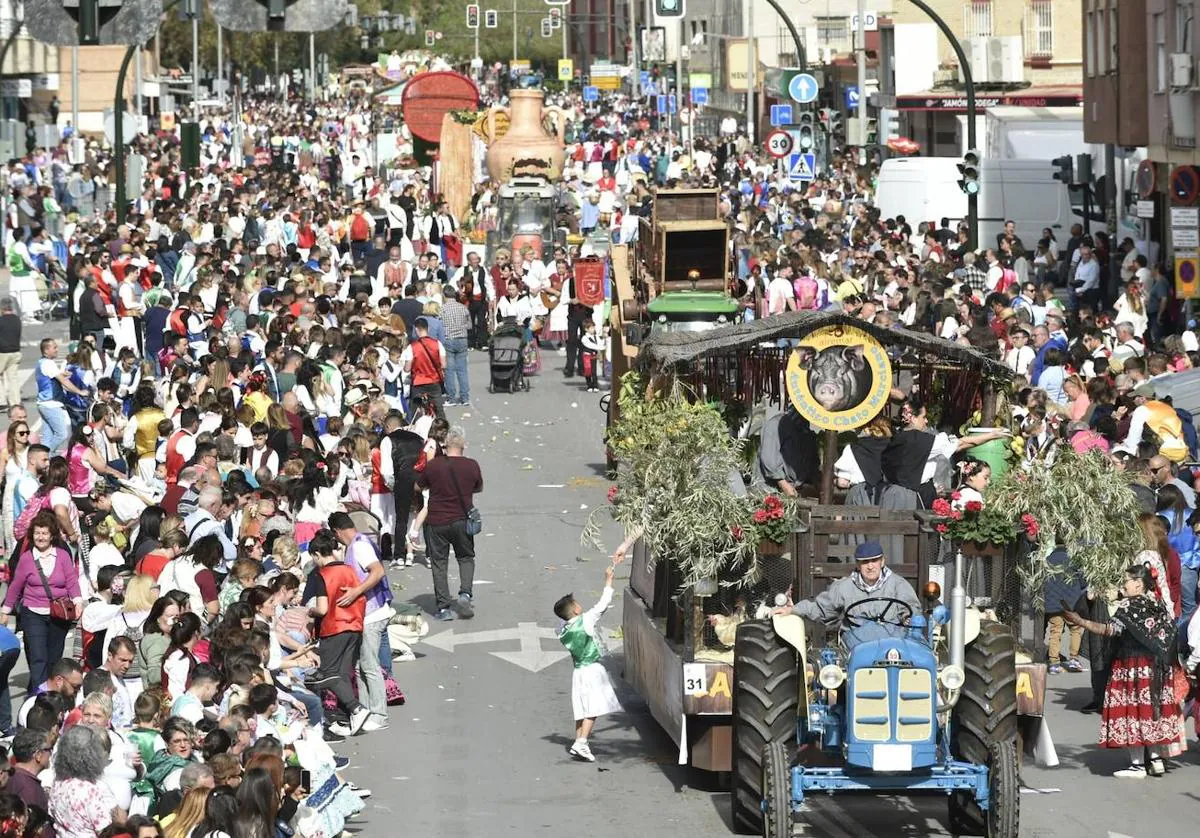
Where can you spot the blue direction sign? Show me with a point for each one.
(644, 79)
(781, 115)
(671, 107)
(852, 97)
(591, 93)
(803, 88)
(699, 95)
(650, 88)
(802, 167)
(660, 103)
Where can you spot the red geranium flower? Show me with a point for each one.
(772, 502)
(775, 514)
(974, 506)
(760, 516)
(612, 494)
(941, 506)
(942, 528)
(736, 532)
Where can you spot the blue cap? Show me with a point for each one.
(867, 551)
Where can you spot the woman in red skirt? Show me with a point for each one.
(1140, 711)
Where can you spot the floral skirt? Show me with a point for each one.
(1128, 718)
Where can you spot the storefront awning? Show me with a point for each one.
(955, 101)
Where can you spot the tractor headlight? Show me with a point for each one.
(952, 677)
(831, 676)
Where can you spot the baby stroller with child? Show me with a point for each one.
(506, 354)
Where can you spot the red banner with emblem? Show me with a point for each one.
(589, 281)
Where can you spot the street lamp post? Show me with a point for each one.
(969, 83)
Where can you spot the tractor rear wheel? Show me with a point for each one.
(984, 717)
(766, 684)
(777, 791)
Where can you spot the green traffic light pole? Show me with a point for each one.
(969, 84)
(119, 122)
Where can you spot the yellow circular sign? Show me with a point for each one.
(839, 378)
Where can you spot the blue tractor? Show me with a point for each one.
(903, 703)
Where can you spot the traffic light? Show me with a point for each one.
(1066, 169)
(472, 16)
(555, 17)
(429, 37)
(491, 19)
(278, 15)
(668, 8)
(1083, 169)
(92, 22)
(189, 145)
(804, 134)
(890, 119)
(969, 169)
(547, 29)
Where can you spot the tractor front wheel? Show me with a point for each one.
(1004, 809)
(766, 685)
(985, 718)
(777, 791)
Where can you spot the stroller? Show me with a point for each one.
(506, 360)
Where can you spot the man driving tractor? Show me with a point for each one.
(892, 598)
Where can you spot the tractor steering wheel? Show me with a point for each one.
(891, 602)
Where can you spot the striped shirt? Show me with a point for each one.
(456, 319)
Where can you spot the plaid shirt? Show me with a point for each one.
(456, 318)
(975, 278)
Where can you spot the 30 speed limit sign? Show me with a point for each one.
(778, 143)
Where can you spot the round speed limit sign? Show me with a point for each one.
(778, 143)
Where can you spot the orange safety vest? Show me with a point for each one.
(339, 578)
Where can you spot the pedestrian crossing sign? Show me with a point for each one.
(802, 167)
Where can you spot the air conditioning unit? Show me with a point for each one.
(1181, 69)
(1006, 59)
(976, 50)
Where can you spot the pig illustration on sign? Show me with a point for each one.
(838, 376)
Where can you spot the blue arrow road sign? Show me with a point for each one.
(699, 95)
(852, 97)
(591, 93)
(781, 115)
(803, 88)
(802, 167)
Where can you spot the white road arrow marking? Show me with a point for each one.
(531, 657)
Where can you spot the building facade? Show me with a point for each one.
(1038, 36)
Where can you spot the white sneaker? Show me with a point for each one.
(373, 724)
(404, 656)
(339, 729)
(361, 792)
(581, 751)
(1133, 772)
(358, 719)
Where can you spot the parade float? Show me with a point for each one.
(702, 568)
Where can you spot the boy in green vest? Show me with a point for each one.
(592, 692)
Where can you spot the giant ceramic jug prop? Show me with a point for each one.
(527, 148)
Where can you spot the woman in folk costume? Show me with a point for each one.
(1140, 710)
(592, 692)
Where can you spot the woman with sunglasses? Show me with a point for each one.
(15, 459)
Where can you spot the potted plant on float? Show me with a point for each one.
(773, 519)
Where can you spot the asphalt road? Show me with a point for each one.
(479, 749)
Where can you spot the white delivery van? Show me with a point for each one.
(926, 189)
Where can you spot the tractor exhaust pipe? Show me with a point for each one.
(958, 614)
